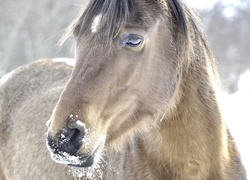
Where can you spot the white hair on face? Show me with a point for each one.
(96, 23)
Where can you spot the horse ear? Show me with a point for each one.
(179, 15)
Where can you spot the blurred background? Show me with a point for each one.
(30, 29)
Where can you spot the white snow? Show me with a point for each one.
(201, 4)
(229, 5)
(6, 77)
(236, 111)
(68, 61)
(74, 118)
(81, 124)
(244, 82)
(92, 172)
(229, 12)
(205, 4)
(69, 159)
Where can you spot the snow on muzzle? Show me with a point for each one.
(74, 146)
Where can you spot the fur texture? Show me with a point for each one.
(149, 110)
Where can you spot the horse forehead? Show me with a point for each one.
(95, 25)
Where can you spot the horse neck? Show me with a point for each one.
(191, 131)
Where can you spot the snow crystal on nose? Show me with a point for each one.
(81, 124)
(65, 158)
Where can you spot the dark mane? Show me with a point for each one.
(179, 17)
(117, 13)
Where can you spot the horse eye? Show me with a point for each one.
(132, 41)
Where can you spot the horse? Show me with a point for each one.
(141, 102)
(27, 97)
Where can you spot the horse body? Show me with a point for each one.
(27, 98)
(140, 102)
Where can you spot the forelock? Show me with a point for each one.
(113, 15)
(109, 16)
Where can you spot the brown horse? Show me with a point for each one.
(139, 104)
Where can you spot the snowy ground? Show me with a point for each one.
(236, 108)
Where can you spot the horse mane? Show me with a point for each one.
(116, 14)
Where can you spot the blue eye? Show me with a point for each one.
(131, 41)
(134, 41)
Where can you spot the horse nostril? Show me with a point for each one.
(71, 138)
(77, 125)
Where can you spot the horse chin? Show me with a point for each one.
(84, 161)
(81, 160)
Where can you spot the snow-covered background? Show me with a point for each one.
(235, 106)
(236, 109)
(203, 4)
(229, 10)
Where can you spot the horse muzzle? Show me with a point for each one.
(85, 160)
(65, 146)
(62, 154)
